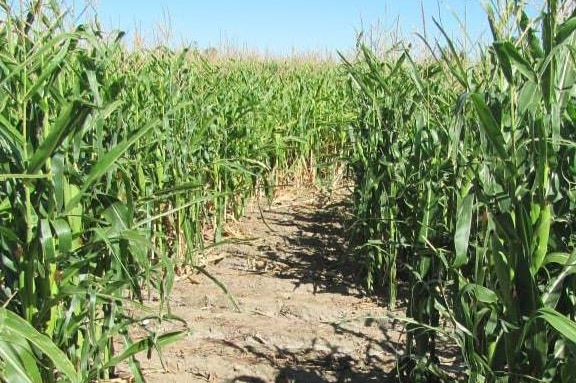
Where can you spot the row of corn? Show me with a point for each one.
(115, 163)
(466, 191)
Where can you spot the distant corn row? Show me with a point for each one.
(466, 187)
(113, 162)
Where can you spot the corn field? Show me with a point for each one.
(118, 165)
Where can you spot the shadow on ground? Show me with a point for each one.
(317, 254)
(312, 366)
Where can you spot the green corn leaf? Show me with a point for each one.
(13, 325)
(507, 51)
(562, 324)
(549, 64)
(558, 258)
(529, 98)
(70, 119)
(48, 69)
(491, 127)
(425, 220)
(11, 135)
(133, 363)
(58, 180)
(462, 234)
(541, 236)
(504, 60)
(503, 273)
(63, 234)
(481, 293)
(492, 22)
(565, 30)
(34, 60)
(4, 177)
(17, 361)
(454, 61)
(47, 242)
(118, 217)
(553, 290)
(219, 284)
(169, 212)
(534, 41)
(145, 345)
(105, 164)
(74, 216)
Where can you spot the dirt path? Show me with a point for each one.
(295, 301)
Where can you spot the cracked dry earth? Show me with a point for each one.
(302, 317)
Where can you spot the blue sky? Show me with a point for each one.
(283, 27)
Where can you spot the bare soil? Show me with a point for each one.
(302, 316)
